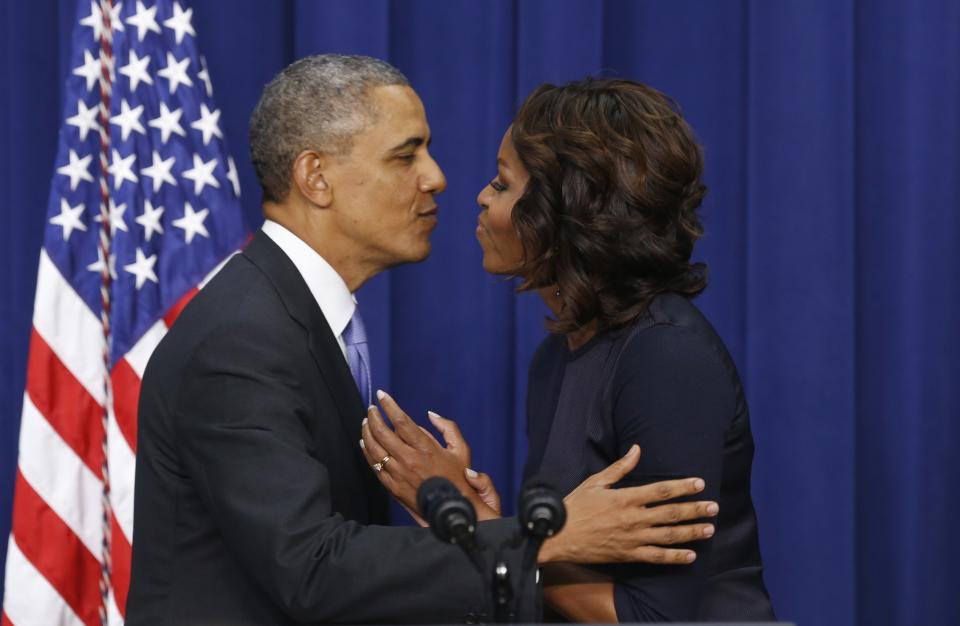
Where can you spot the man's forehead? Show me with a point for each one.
(397, 101)
(401, 118)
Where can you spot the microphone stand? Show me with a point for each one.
(453, 519)
(502, 591)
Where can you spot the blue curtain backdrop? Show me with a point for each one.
(831, 130)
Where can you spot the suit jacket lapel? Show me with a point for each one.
(268, 256)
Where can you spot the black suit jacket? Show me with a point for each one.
(253, 502)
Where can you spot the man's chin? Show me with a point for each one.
(413, 254)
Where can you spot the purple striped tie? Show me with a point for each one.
(358, 356)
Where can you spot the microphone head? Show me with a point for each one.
(431, 492)
(541, 511)
(451, 516)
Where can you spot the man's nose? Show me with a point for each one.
(432, 180)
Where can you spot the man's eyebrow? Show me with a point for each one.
(412, 142)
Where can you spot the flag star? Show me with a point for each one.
(95, 19)
(116, 218)
(77, 169)
(232, 176)
(204, 75)
(69, 218)
(85, 119)
(144, 19)
(192, 222)
(128, 119)
(176, 72)
(98, 265)
(136, 70)
(168, 122)
(122, 169)
(90, 70)
(159, 171)
(208, 124)
(150, 220)
(202, 174)
(180, 22)
(142, 268)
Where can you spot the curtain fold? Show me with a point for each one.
(831, 132)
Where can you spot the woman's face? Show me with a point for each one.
(502, 250)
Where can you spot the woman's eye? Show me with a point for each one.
(498, 186)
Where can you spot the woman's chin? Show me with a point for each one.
(497, 267)
(492, 265)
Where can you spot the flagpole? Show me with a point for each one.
(105, 242)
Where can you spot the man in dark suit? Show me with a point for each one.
(254, 503)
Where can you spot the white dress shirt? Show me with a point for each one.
(332, 294)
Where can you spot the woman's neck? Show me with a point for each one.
(576, 338)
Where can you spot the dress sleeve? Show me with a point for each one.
(673, 396)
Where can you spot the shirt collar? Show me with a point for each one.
(328, 289)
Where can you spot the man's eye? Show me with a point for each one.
(407, 158)
(498, 186)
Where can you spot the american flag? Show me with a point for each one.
(156, 167)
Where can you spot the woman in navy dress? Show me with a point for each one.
(594, 206)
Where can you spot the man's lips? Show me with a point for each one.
(431, 212)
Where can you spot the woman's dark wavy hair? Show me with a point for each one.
(609, 214)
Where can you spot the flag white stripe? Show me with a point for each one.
(138, 356)
(113, 612)
(69, 327)
(123, 465)
(60, 477)
(36, 601)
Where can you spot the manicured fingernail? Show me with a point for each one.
(713, 508)
(471, 473)
(690, 557)
(380, 395)
(698, 484)
(363, 423)
(362, 445)
(371, 408)
(708, 531)
(432, 415)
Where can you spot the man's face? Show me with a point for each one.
(383, 189)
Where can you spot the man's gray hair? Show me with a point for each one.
(317, 103)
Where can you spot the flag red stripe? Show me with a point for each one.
(121, 553)
(56, 552)
(5, 621)
(126, 394)
(177, 308)
(66, 404)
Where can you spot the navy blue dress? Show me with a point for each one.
(667, 383)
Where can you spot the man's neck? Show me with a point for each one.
(337, 251)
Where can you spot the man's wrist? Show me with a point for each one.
(549, 552)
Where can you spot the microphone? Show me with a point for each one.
(451, 516)
(542, 512)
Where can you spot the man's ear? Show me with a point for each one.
(308, 176)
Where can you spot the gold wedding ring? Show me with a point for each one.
(378, 467)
